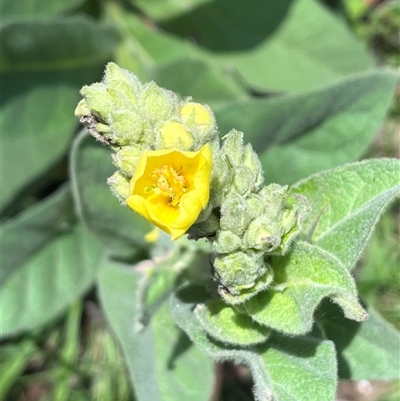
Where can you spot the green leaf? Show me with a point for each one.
(297, 135)
(117, 227)
(346, 203)
(25, 235)
(162, 362)
(283, 369)
(165, 9)
(276, 45)
(197, 78)
(225, 324)
(41, 78)
(302, 279)
(52, 274)
(12, 9)
(172, 62)
(366, 351)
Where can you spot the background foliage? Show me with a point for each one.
(304, 79)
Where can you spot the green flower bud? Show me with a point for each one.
(272, 197)
(157, 103)
(119, 186)
(123, 82)
(82, 109)
(174, 135)
(126, 159)
(239, 271)
(262, 234)
(255, 205)
(243, 180)
(261, 284)
(199, 118)
(251, 160)
(98, 101)
(127, 127)
(235, 214)
(220, 179)
(233, 147)
(226, 242)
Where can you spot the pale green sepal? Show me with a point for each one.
(245, 294)
(235, 214)
(226, 242)
(302, 279)
(119, 186)
(98, 100)
(251, 160)
(225, 324)
(233, 147)
(243, 180)
(123, 81)
(157, 103)
(127, 126)
(126, 159)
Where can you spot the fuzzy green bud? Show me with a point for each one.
(233, 147)
(127, 127)
(251, 160)
(122, 82)
(98, 101)
(235, 214)
(226, 242)
(119, 186)
(262, 234)
(243, 180)
(82, 109)
(126, 159)
(157, 103)
(239, 271)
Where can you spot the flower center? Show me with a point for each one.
(169, 184)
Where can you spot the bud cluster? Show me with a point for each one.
(244, 220)
(132, 117)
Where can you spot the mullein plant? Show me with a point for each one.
(173, 169)
(275, 252)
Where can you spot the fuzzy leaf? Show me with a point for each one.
(41, 77)
(276, 45)
(53, 274)
(346, 203)
(165, 9)
(283, 369)
(36, 8)
(174, 63)
(25, 235)
(162, 362)
(366, 351)
(117, 227)
(302, 279)
(225, 324)
(298, 135)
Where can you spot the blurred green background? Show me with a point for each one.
(307, 81)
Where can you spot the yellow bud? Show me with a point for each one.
(174, 135)
(200, 117)
(197, 112)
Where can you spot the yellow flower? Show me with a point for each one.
(170, 188)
